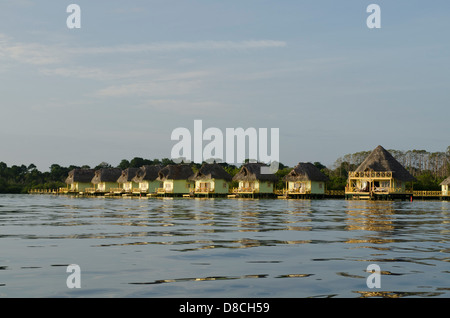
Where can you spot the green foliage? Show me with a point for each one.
(20, 179)
(427, 181)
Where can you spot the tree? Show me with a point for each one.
(319, 166)
(103, 165)
(124, 164)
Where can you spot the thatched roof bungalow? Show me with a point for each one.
(379, 173)
(105, 179)
(175, 179)
(146, 178)
(211, 178)
(251, 180)
(126, 179)
(445, 185)
(80, 179)
(305, 178)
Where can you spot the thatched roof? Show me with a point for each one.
(305, 171)
(446, 182)
(127, 175)
(147, 173)
(210, 171)
(80, 175)
(175, 172)
(106, 175)
(380, 160)
(252, 172)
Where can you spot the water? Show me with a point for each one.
(222, 247)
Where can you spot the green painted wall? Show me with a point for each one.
(106, 186)
(217, 185)
(178, 186)
(150, 186)
(260, 187)
(317, 187)
(400, 185)
(129, 186)
(80, 186)
(265, 187)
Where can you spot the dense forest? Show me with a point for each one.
(429, 168)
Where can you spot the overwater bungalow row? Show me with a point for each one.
(379, 177)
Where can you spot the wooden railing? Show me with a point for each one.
(428, 193)
(116, 190)
(417, 193)
(382, 190)
(204, 190)
(335, 192)
(245, 190)
(45, 191)
(296, 191)
(163, 190)
(370, 174)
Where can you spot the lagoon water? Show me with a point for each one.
(222, 247)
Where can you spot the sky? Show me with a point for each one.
(117, 87)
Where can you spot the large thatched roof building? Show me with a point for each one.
(211, 178)
(251, 180)
(379, 174)
(380, 160)
(305, 178)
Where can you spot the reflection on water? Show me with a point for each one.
(222, 247)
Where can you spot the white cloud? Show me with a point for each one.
(41, 54)
(151, 88)
(180, 46)
(96, 73)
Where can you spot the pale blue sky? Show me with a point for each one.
(136, 70)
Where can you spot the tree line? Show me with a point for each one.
(429, 169)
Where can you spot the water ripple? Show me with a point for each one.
(327, 244)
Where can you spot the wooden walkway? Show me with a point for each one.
(282, 194)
